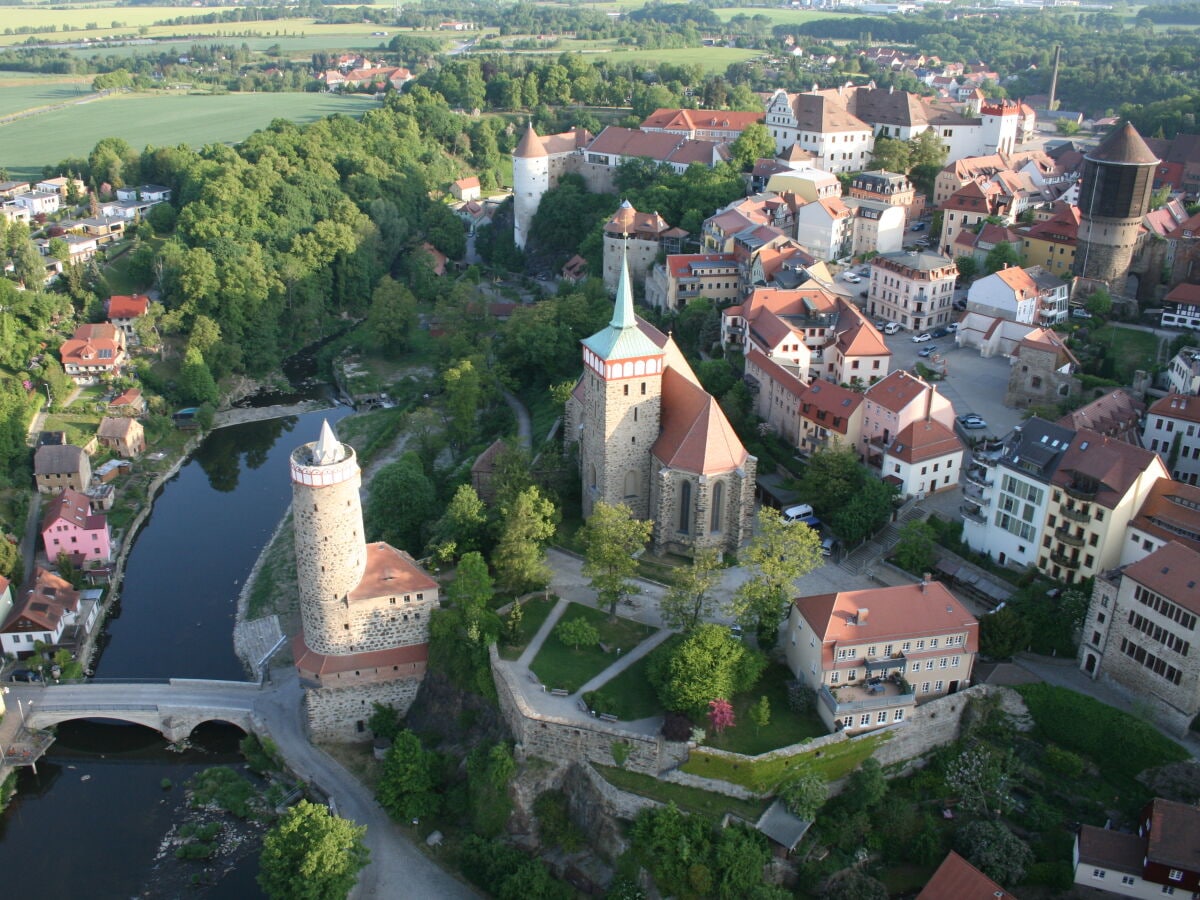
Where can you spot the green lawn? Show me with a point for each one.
(694, 800)
(46, 90)
(535, 612)
(80, 427)
(558, 666)
(1130, 348)
(786, 727)
(630, 695)
(161, 119)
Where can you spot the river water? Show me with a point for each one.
(90, 822)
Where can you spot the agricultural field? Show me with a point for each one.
(159, 119)
(78, 18)
(781, 16)
(31, 92)
(713, 59)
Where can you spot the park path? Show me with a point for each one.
(626, 661)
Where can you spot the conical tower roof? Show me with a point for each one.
(329, 449)
(1123, 146)
(531, 145)
(622, 339)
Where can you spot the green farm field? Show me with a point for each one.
(158, 119)
(713, 59)
(78, 18)
(19, 94)
(780, 16)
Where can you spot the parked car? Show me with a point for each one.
(971, 421)
(920, 226)
(26, 675)
(864, 271)
(960, 305)
(928, 351)
(881, 324)
(850, 278)
(736, 630)
(828, 545)
(798, 513)
(922, 338)
(891, 328)
(1080, 314)
(952, 327)
(939, 332)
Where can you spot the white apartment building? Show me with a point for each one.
(914, 289)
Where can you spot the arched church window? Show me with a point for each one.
(592, 474)
(718, 501)
(685, 506)
(631, 483)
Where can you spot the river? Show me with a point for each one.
(90, 822)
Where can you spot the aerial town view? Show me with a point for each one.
(627, 449)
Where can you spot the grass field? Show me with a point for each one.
(30, 93)
(781, 16)
(78, 18)
(713, 59)
(559, 666)
(158, 119)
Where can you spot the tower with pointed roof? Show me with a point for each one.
(531, 179)
(650, 437)
(1118, 177)
(364, 608)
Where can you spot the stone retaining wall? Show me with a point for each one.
(565, 739)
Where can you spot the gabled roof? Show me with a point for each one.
(1116, 414)
(1114, 465)
(1046, 341)
(1174, 834)
(121, 306)
(1111, 849)
(837, 402)
(58, 459)
(1177, 406)
(118, 427)
(695, 436)
(692, 119)
(1188, 229)
(1184, 294)
(957, 879)
(388, 572)
(777, 373)
(73, 507)
(897, 390)
(925, 439)
(1171, 512)
(892, 612)
(44, 602)
(858, 337)
(471, 181)
(1172, 570)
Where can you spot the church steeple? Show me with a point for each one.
(623, 316)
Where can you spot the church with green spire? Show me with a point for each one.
(651, 437)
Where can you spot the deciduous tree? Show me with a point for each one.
(311, 854)
(992, 848)
(520, 558)
(407, 786)
(612, 540)
(577, 632)
(804, 795)
(707, 664)
(690, 598)
(399, 501)
(776, 556)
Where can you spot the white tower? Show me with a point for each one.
(531, 180)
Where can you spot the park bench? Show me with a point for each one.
(607, 717)
(559, 692)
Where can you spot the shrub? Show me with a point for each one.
(576, 633)
(1064, 762)
(555, 828)
(677, 727)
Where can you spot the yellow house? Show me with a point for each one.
(1051, 244)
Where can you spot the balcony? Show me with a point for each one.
(1061, 559)
(1082, 516)
(977, 475)
(862, 696)
(1064, 535)
(886, 663)
(973, 513)
(1085, 491)
(973, 494)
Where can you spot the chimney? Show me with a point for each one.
(925, 581)
(860, 616)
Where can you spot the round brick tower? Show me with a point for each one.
(1118, 177)
(328, 524)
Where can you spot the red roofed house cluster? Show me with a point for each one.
(93, 352)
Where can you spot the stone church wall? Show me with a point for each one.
(335, 714)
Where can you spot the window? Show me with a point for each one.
(718, 500)
(1098, 873)
(898, 716)
(847, 721)
(835, 677)
(943, 662)
(852, 675)
(920, 645)
(929, 666)
(1175, 875)
(881, 719)
(904, 647)
(1127, 879)
(939, 686)
(864, 719)
(925, 687)
(685, 506)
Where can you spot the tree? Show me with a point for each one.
(980, 776)
(577, 632)
(866, 787)
(720, 715)
(384, 722)
(777, 555)
(690, 598)
(407, 787)
(804, 795)
(915, 549)
(463, 524)
(519, 558)
(59, 249)
(399, 501)
(463, 393)
(472, 585)
(853, 884)
(708, 663)
(311, 854)
(868, 511)
(512, 622)
(831, 479)
(1002, 633)
(968, 268)
(891, 155)
(392, 316)
(1099, 303)
(612, 540)
(760, 713)
(1000, 257)
(754, 143)
(195, 379)
(989, 846)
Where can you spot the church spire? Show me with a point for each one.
(623, 316)
(328, 449)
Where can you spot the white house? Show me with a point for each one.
(825, 228)
(1171, 430)
(1028, 296)
(39, 203)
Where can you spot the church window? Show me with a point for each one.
(592, 473)
(626, 389)
(631, 484)
(635, 414)
(718, 498)
(643, 388)
(685, 506)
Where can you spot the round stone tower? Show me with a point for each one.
(328, 524)
(1118, 177)
(531, 180)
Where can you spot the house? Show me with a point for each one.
(80, 247)
(636, 239)
(127, 403)
(62, 186)
(466, 188)
(1183, 372)
(876, 226)
(614, 145)
(48, 610)
(1170, 512)
(1171, 432)
(957, 879)
(822, 124)
(1042, 371)
(992, 335)
(574, 270)
(1161, 859)
(146, 193)
(652, 438)
(825, 228)
(39, 203)
(105, 229)
(1051, 243)
(968, 208)
(10, 189)
(69, 526)
(1117, 414)
(915, 290)
(11, 211)
(684, 277)
(123, 435)
(93, 352)
(125, 310)
(700, 124)
(58, 466)
(1030, 296)
(811, 417)
(873, 655)
(908, 435)
(1181, 307)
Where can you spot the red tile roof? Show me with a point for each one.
(695, 436)
(957, 879)
(121, 306)
(926, 439)
(73, 507)
(692, 119)
(897, 391)
(1171, 512)
(1114, 465)
(44, 603)
(1172, 570)
(412, 657)
(1177, 406)
(1174, 835)
(1187, 294)
(388, 572)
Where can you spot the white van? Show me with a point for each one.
(797, 513)
(891, 328)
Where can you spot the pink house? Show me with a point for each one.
(71, 527)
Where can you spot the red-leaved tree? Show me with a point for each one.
(720, 715)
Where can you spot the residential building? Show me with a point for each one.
(93, 352)
(1117, 414)
(127, 403)
(876, 227)
(58, 466)
(1170, 512)
(722, 126)
(62, 186)
(69, 526)
(1006, 496)
(49, 610)
(1051, 244)
(39, 203)
(967, 209)
(124, 310)
(466, 188)
(1042, 371)
(1030, 296)
(822, 125)
(825, 228)
(883, 187)
(684, 277)
(821, 415)
(1162, 859)
(1171, 432)
(652, 438)
(957, 879)
(1183, 372)
(808, 183)
(908, 435)
(105, 229)
(10, 189)
(1183, 251)
(1099, 485)
(146, 193)
(11, 211)
(1181, 307)
(992, 335)
(872, 655)
(123, 435)
(915, 290)
(1180, 163)
(636, 239)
